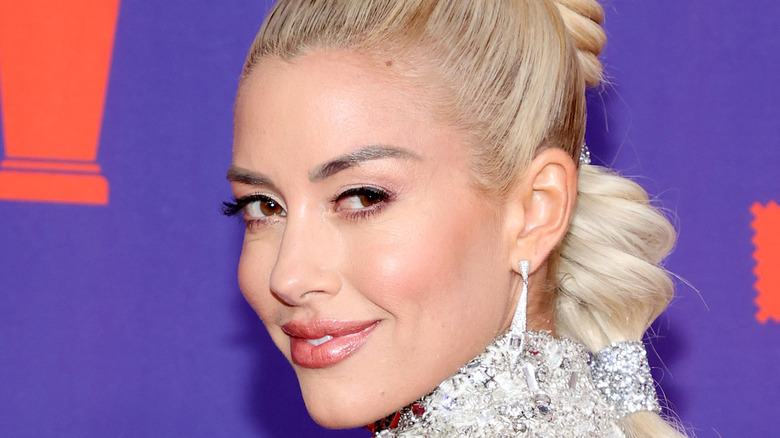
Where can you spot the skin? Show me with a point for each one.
(435, 263)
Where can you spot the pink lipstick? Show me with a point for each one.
(326, 342)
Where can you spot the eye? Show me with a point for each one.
(263, 206)
(254, 207)
(361, 198)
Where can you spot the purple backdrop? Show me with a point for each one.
(126, 319)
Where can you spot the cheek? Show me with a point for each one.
(443, 288)
(393, 268)
(254, 272)
(427, 269)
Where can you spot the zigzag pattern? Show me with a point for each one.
(766, 225)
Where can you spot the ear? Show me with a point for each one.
(541, 205)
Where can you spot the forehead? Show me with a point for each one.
(332, 100)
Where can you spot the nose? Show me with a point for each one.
(305, 266)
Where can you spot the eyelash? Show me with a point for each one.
(378, 198)
(239, 205)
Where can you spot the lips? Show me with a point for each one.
(326, 342)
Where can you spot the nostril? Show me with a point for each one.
(295, 288)
(295, 280)
(284, 301)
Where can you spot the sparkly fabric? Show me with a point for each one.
(622, 373)
(585, 154)
(523, 385)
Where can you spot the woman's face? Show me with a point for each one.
(375, 265)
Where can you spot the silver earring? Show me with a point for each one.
(518, 326)
(584, 154)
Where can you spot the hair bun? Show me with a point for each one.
(583, 19)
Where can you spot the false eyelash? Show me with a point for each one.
(237, 206)
(379, 193)
(233, 208)
(230, 208)
(355, 215)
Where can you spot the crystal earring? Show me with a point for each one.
(518, 326)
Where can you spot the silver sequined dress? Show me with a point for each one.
(538, 387)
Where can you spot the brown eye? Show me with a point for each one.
(270, 208)
(264, 207)
(361, 198)
(368, 199)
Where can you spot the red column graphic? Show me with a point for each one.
(766, 224)
(54, 63)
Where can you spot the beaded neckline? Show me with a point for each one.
(530, 386)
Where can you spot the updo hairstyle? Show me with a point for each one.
(512, 75)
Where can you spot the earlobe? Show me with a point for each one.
(544, 199)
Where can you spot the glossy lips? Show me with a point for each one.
(324, 343)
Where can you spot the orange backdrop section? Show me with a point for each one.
(766, 224)
(54, 65)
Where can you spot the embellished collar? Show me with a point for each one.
(526, 385)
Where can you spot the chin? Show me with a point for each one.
(334, 409)
(337, 423)
(348, 417)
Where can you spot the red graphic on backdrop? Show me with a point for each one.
(54, 63)
(766, 224)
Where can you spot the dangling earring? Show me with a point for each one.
(518, 327)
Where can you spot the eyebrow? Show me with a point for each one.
(238, 174)
(358, 156)
(332, 167)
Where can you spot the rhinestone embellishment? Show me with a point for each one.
(622, 373)
(541, 389)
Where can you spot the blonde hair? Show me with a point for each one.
(513, 75)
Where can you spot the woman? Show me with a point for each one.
(409, 176)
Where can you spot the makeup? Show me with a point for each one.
(364, 214)
(325, 343)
